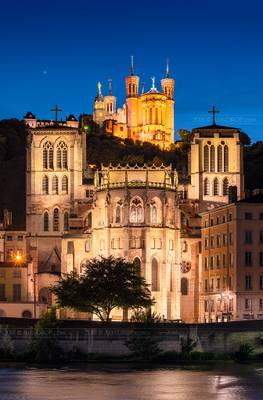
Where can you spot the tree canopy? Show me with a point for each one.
(106, 283)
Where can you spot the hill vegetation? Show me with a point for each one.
(101, 149)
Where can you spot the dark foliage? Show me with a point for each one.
(107, 283)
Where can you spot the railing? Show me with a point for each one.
(156, 185)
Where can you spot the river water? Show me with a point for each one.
(122, 382)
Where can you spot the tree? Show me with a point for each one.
(107, 283)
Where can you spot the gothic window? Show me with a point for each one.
(66, 221)
(47, 156)
(151, 116)
(216, 187)
(45, 184)
(184, 286)
(206, 158)
(46, 222)
(56, 220)
(136, 211)
(226, 159)
(155, 276)
(219, 159)
(225, 187)
(206, 187)
(118, 214)
(212, 158)
(137, 264)
(62, 155)
(154, 213)
(55, 184)
(156, 115)
(65, 184)
(88, 221)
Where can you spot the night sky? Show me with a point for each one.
(56, 51)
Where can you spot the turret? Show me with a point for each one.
(132, 98)
(99, 109)
(168, 90)
(168, 84)
(109, 103)
(30, 120)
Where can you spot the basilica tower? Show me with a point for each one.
(168, 90)
(109, 103)
(132, 101)
(99, 107)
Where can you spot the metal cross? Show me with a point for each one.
(56, 110)
(214, 111)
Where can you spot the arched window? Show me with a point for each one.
(45, 184)
(151, 116)
(62, 155)
(225, 187)
(118, 214)
(219, 159)
(136, 211)
(137, 264)
(65, 184)
(216, 187)
(226, 159)
(156, 115)
(154, 213)
(155, 276)
(56, 220)
(206, 187)
(66, 221)
(46, 222)
(48, 156)
(55, 184)
(184, 286)
(27, 314)
(44, 296)
(206, 158)
(212, 158)
(88, 220)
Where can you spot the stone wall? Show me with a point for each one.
(110, 338)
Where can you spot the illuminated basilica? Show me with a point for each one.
(145, 116)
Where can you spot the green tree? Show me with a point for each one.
(107, 283)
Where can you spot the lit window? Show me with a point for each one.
(65, 184)
(136, 211)
(56, 220)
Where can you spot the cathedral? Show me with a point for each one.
(144, 213)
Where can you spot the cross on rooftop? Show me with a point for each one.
(214, 111)
(56, 110)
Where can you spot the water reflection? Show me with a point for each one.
(234, 382)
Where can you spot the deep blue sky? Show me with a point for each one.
(56, 51)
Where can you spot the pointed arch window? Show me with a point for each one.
(56, 220)
(48, 156)
(46, 222)
(66, 221)
(118, 214)
(137, 265)
(212, 158)
(136, 211)
(45, 184)
(65, 184)
(206, 187)
(206, 158)
(154, 213)
(216, 187)
(62, 155)
(226, 159)
(155, 276)
(225, 187)
(55, 184)
(219, 159)
(151, 116)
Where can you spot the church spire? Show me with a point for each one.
(167, 68)
(132, 65)
(110, 87)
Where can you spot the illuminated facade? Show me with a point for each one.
(145, 116)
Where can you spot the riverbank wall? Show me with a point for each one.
(110, 338)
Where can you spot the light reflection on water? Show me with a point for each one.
(232, 382)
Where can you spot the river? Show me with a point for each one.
(122, 382)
